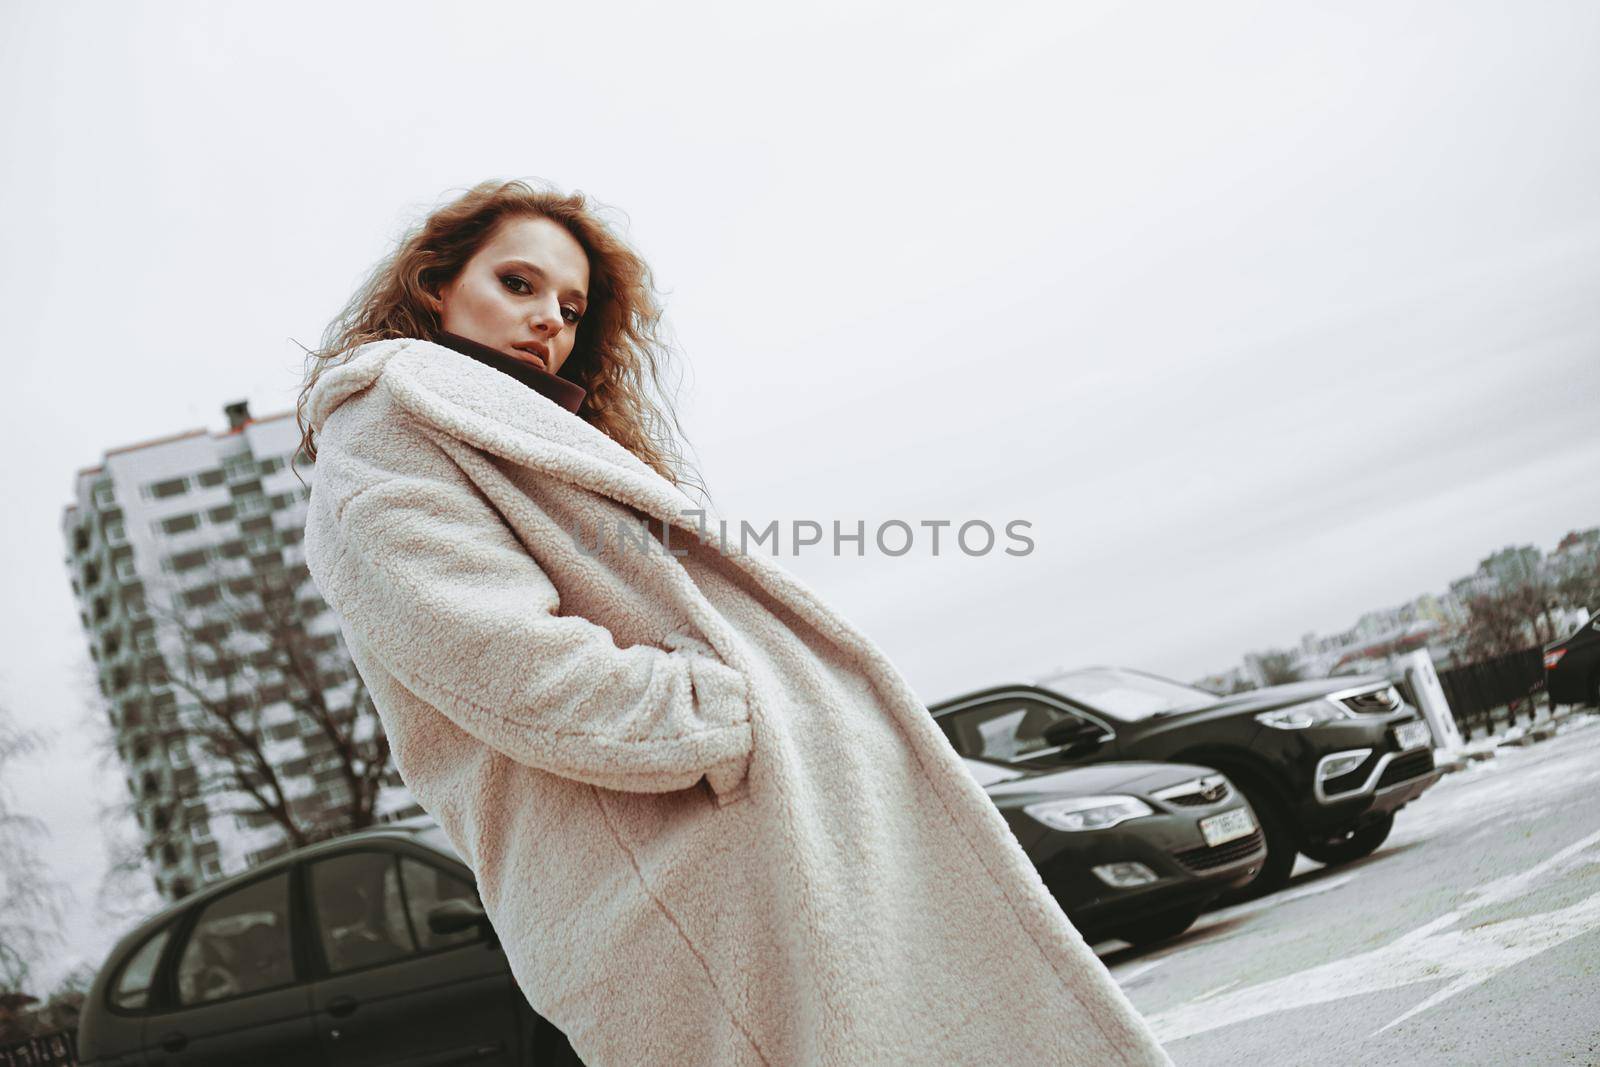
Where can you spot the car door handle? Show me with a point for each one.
(175, 1041)
(343, 1005)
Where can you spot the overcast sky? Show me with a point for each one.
(1263, 315)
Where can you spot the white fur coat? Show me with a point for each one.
(709, 820)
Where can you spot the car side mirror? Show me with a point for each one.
(454, 916)
(1075, 735)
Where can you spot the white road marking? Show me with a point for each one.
(1431, 952)
(1132, 974)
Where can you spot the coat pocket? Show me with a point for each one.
(725, 785)
(737, 795)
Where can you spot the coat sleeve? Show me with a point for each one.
(442, 594)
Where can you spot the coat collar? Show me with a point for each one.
(475, 403)
(567, 393)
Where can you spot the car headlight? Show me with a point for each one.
(1088, 813)
(1302, 716)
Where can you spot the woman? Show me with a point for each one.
(711, 823)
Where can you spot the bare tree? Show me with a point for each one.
(1511, 617)
(252, 648)
(1275, 666)
(30, 899)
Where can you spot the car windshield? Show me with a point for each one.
(1127, 695)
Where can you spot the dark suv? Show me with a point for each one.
(1572, 665)
(1325, 764)
(371, 949)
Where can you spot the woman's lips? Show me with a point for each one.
(528, 355)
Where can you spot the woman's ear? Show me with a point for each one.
(432, 293)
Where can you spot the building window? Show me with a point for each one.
(270, 465)
(211, 633)
(204, 596)
(187, 561)
(103, 494)
(180, 524)
(115, 533)
(154, 670)
(169, 488)
(221, 513)
(211, 477)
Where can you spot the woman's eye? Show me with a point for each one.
(511, 281)
(574, 312)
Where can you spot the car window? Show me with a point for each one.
(1005, 730)
(427, 886)
(239, 945)
(132, 989)
(361, 918)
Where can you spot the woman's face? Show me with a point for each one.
(522, 294)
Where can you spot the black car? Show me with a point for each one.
(370, 949)
(1572, 666)
(1324, 764)
(1130, 850)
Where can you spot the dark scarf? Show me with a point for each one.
(566, 393)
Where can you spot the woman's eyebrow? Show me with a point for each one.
(533, 269)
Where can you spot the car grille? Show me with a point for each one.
(1411, 765)
(1196, 793)
(1202, 798)
(1206, 858)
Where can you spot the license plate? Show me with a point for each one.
(1228, 826)
(1409, 735)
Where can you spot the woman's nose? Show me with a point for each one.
(545, 315)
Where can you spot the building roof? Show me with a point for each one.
(170, 438)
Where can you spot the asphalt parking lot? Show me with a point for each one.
(1471, 937)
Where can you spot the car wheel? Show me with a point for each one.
(1282, 848)
(1350, 845)
(1158, 928)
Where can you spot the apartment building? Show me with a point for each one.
(168, 544)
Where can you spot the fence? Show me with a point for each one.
(1495, 691)
(59, 1049)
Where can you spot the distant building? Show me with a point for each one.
(1511, 567)
(1435, 622)
(189, 519)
